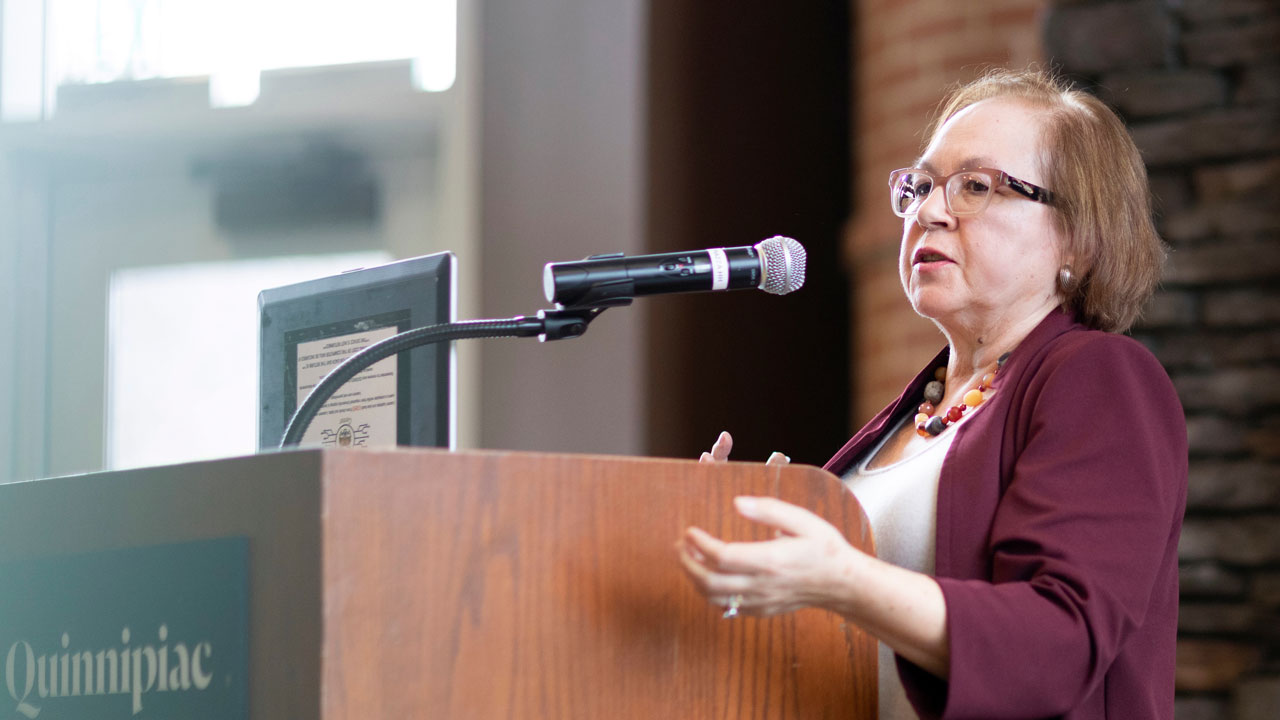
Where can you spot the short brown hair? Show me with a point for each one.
(1100, 189)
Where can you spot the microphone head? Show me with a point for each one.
(783, 259)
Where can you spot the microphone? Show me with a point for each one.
(775, 265)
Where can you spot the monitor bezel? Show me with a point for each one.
(424, 287)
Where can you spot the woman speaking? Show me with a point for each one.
(1026, 490)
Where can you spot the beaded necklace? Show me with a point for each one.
(928, 426)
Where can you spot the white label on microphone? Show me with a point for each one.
(719, 269)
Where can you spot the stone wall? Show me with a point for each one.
(1198, 81)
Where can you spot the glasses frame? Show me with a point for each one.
(999, 178)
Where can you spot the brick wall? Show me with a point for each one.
(1198, 81)
(906, 53)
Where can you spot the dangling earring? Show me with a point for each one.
(1066, 280)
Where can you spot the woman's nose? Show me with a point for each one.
(933, 213)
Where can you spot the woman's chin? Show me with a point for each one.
(933, 305)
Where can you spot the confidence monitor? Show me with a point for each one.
(309, 328)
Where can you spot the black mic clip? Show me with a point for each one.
(564, 323)
(570, 320)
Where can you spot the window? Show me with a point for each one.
(182, 360)
(230, 42)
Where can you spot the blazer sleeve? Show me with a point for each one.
(1090, 515)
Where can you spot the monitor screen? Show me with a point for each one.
(309, 328)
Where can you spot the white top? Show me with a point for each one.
(901, 502)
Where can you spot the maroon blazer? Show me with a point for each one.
(1059, 509)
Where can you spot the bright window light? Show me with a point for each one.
(95, 41)
(182, 367)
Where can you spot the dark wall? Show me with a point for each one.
(749, 137)
(1199, 84)
(561, 177)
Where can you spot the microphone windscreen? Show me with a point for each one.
(784, 260)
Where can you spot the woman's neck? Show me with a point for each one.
(975, 349)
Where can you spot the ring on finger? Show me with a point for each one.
(731, 611)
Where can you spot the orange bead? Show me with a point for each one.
(921, 431)
(988, 379)
(955, 413)
(926, 408)
(940, 374)
(922, 418)
(973, 398)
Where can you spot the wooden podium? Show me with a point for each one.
(428, 584)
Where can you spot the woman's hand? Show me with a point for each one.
(724, 445)
(805, 565)
(810, 564)
(719, 450)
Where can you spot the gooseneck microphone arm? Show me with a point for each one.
(546, 325)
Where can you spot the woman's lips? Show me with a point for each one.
(927, 256)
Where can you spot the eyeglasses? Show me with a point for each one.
(968, 192)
